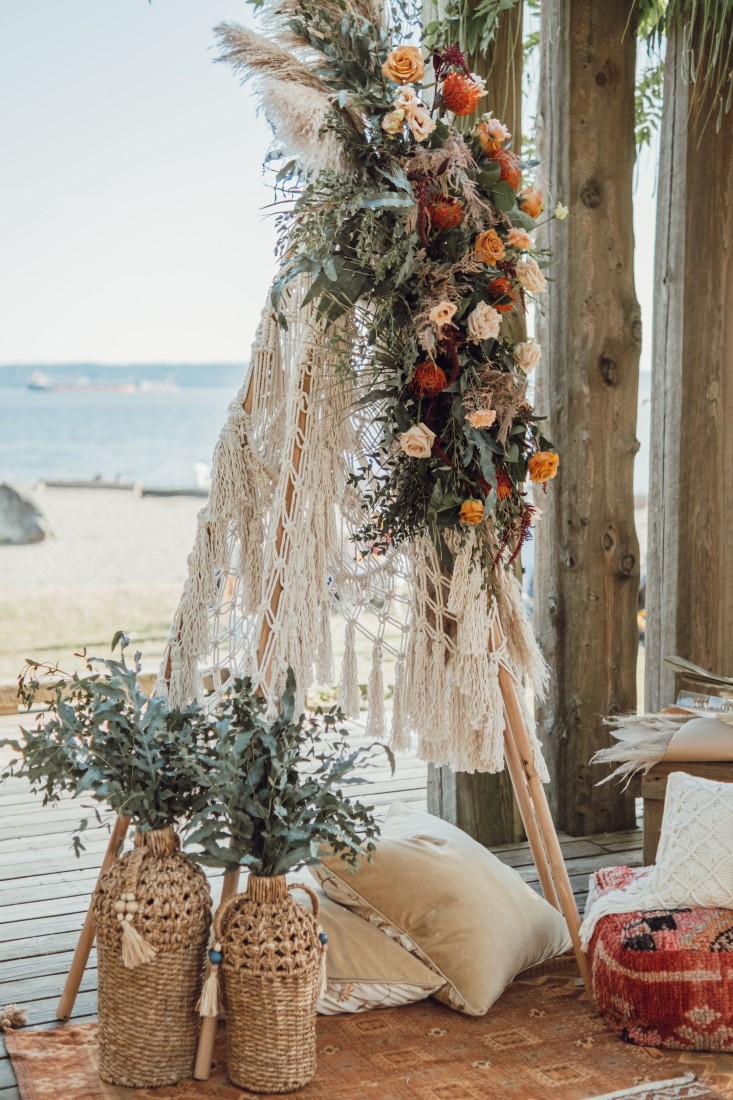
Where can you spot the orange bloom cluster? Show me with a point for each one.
(428, 379)
(542, 466)
(446, 213)
(501, 290)
(461, 94)
(503, 484)
(510, 170)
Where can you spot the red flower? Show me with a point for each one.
(428, 379)
(510, 170)
(501, 291)
(446, 213)
(461, 93)
(503, 484)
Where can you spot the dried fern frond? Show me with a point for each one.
(253, 56)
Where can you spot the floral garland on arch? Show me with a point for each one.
(426, 234)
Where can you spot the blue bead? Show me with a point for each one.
(323, 937)
(215, 957)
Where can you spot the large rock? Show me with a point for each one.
(21, 521)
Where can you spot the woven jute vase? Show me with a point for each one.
(270, 970)
(150, 973)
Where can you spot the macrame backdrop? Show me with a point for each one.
(274, 572)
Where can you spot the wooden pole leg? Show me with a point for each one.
(86, 938)
(548, 852)
(207, 1032)
(529, 820)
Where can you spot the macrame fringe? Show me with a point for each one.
(376, 723)
(399, 737)
(349, 694)
(135, 950)
(642, 742)
(12, 1016)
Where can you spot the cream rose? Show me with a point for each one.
(392, 123)
(531, 277)
(481, 418)
(442, 314)
(483, 323)
(417, 441)
(518, 238)
(404, 65)
(420, 123)
(406, 100)
(561, 212)
(528, 355)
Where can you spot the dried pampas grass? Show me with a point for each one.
(252, 55)
(299, 123)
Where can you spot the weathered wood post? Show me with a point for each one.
(587, 552)
(690, 556)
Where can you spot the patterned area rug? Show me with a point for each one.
(542, 1040)
(681, 1088)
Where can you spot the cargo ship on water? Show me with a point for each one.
(41, 383)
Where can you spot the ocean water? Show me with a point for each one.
(155, 437)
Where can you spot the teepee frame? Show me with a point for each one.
(519, 757)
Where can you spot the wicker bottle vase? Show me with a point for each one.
(152, 912)
(271, 969)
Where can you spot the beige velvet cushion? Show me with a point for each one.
(441, 895)
(364, 968)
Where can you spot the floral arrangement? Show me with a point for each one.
(423, 232)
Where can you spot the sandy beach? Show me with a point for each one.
(114, 561)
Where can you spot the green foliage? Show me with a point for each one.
(648, 102)
(472, 24)
(274, 788)
(102, 737)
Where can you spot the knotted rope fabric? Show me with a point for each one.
(274, 580)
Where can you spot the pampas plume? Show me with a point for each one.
(642, 741)
(252, 55)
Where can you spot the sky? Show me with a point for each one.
(132, 227)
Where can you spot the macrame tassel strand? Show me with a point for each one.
(350, 697)
(376, 721)
(135, 950)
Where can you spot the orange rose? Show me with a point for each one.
(472, 512)
(404, 65)
(489, 247)
(530, 201)
(461, 93)
(491, 134)
(543, 466)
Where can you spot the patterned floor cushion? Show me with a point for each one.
(664, 978)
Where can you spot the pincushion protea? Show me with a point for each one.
(428, 379)
(461, 93)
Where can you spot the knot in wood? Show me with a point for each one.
(590, 193)
(608, 541)
(609, 370)
(627, 563)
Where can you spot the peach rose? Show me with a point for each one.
(420, 123)
(393, 122)
(491, 134)
(530, 201)
(543, 465)
(406, 100)
(404, 65)
(483, 323)
(481, 418)
(472, 512)
(489, 247)
(528, 355)
(531, 277)
(518, 238)
(442, 314)
(417, 441)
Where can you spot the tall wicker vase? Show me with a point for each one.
(271, 968)
(152, 912)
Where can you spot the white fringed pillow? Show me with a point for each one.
(694, 868)
(695, 857)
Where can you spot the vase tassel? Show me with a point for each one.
(135, 950)
(209, 1000)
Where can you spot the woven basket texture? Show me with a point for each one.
(271, 977)
(148, 1023)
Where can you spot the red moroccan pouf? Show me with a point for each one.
(664, 978)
